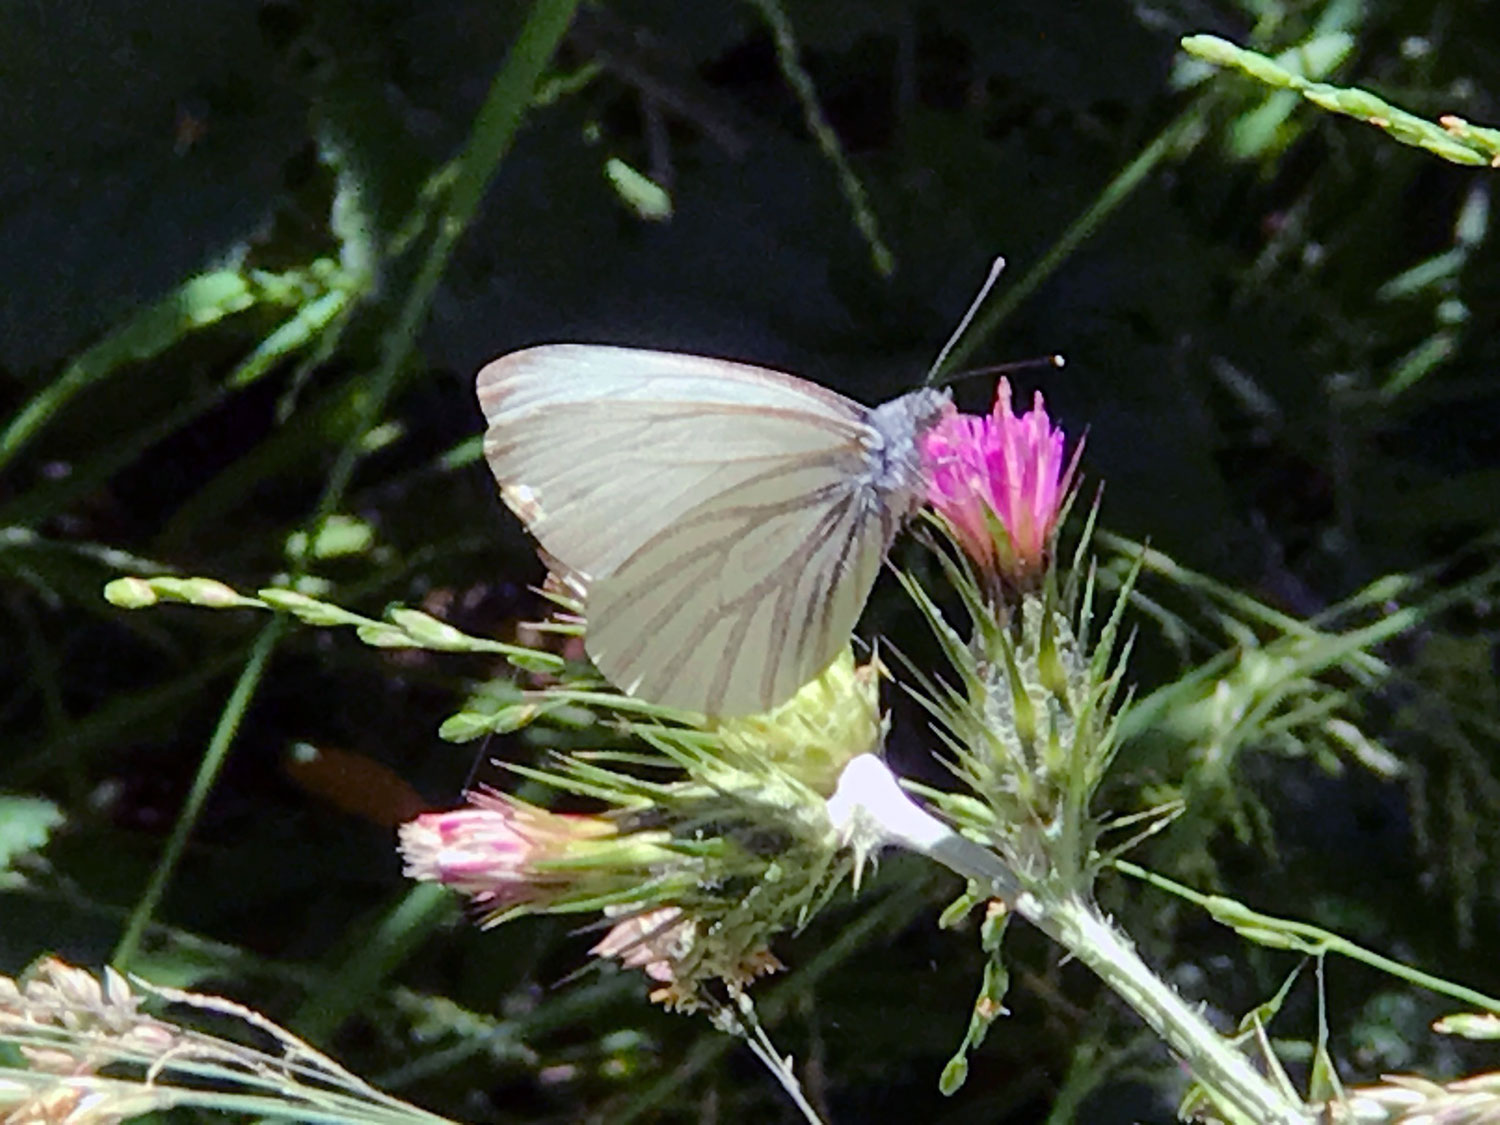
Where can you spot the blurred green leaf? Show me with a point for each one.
(26, 824)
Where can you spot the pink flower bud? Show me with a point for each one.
(500, 851)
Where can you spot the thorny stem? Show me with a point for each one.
(870, 809)
(1237, 1087)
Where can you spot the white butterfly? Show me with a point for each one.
(727, 521)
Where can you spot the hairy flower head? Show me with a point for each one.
(813, 735)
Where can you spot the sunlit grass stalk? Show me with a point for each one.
(197, 303)
(1451, 138)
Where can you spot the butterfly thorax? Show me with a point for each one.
(897, 474)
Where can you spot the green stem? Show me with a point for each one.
(887, 916)
(203, 783)
(197, 302)
(1115, 193)
(494, 131)
(404, 926)
(1450, 137)
(823, 134)
(1282, 933)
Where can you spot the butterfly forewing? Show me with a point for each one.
(597, 449)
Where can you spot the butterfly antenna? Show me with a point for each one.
(474, 764)
(1053, 361)
(984, 291)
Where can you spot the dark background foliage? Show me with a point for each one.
(1280, 337)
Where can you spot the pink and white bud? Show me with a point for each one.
(500, 851)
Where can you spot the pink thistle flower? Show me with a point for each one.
(1004, 469)
(502, 852)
